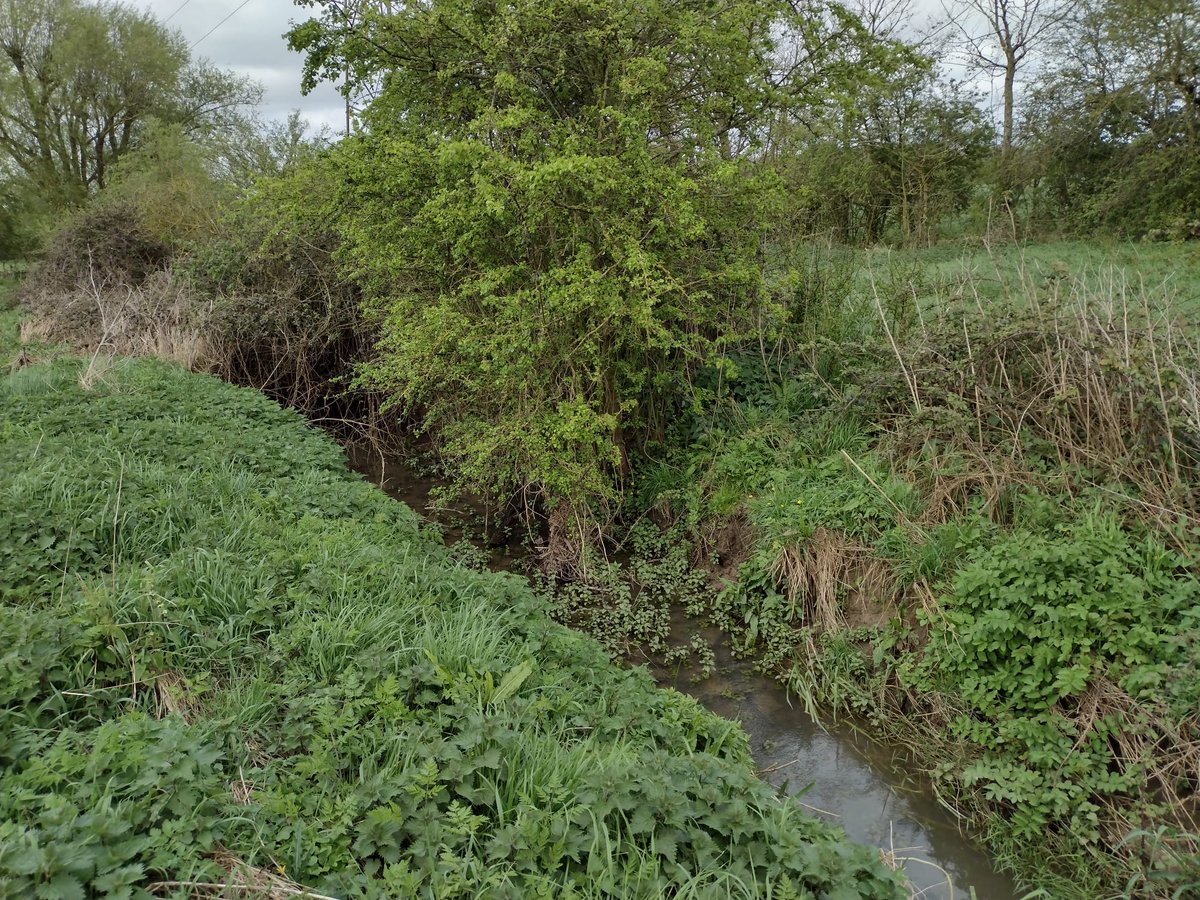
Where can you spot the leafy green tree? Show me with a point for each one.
(80, 81)
(556, 209)
(895, 162)
(256, 149)
(1114, 131)
(24, 216)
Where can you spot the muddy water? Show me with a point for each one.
(841, 777)
(864, 787)
(459, 520)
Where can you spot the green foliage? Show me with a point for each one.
(79, 82)
(627, 605)
(862, 501)
(169, 179)
(553, 246)
(1030, 629)
(1117, 152)
(896, 162)
(1033, 624)
(260, 657)
(284, 316)
(95, 812)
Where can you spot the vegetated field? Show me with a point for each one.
(967, 510)
(226, 660)
(1008, 270)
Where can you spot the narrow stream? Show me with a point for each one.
(837, 774)
(846, 779)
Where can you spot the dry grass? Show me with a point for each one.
(1169, 752)
(1102, 386)
(244, 880)
(33, 330)
(171, 697)
(829, 574)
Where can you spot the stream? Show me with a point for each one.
(837, 774)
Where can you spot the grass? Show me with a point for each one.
(972, 521)
(10, 323)
(226, 663)
(1011, 270)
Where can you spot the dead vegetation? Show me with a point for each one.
(243, 881)
(1084, 390)
(104, 287)
(834, 582)
(271, 316)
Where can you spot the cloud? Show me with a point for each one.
(251, 42)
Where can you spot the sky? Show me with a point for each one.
(251, 42)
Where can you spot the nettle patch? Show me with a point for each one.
(1063, 647)
(228, 664)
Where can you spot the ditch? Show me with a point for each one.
(838, 774)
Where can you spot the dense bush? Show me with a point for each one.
(284, 315)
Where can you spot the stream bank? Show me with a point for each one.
(865, 787)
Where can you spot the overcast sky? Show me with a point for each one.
(251, 41)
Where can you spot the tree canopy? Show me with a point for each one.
(80, 81)
(556, 211)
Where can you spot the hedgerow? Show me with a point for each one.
(227, 661)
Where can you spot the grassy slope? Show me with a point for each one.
(219, 648)
(1054, 592)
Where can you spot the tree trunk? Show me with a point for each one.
(1010, 79)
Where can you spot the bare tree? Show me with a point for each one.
(883, 18)
(998, 36)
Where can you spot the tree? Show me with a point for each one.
(79, 82)
(255, 149)
(999, 35)
(899, 154)
(1159, 45)
(555, 209)
(1116, 123)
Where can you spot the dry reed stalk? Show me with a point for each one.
(170, 697)
(1109, 386)
(819, 575)
(244, 880)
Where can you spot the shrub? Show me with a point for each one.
(1063, 648)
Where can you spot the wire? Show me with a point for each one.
(218, 25)
(177, 12)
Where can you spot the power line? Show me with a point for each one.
(177, 12)
(218, 25)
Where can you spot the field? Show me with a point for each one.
(752, 313)
(954, 498)
(1170, 272)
